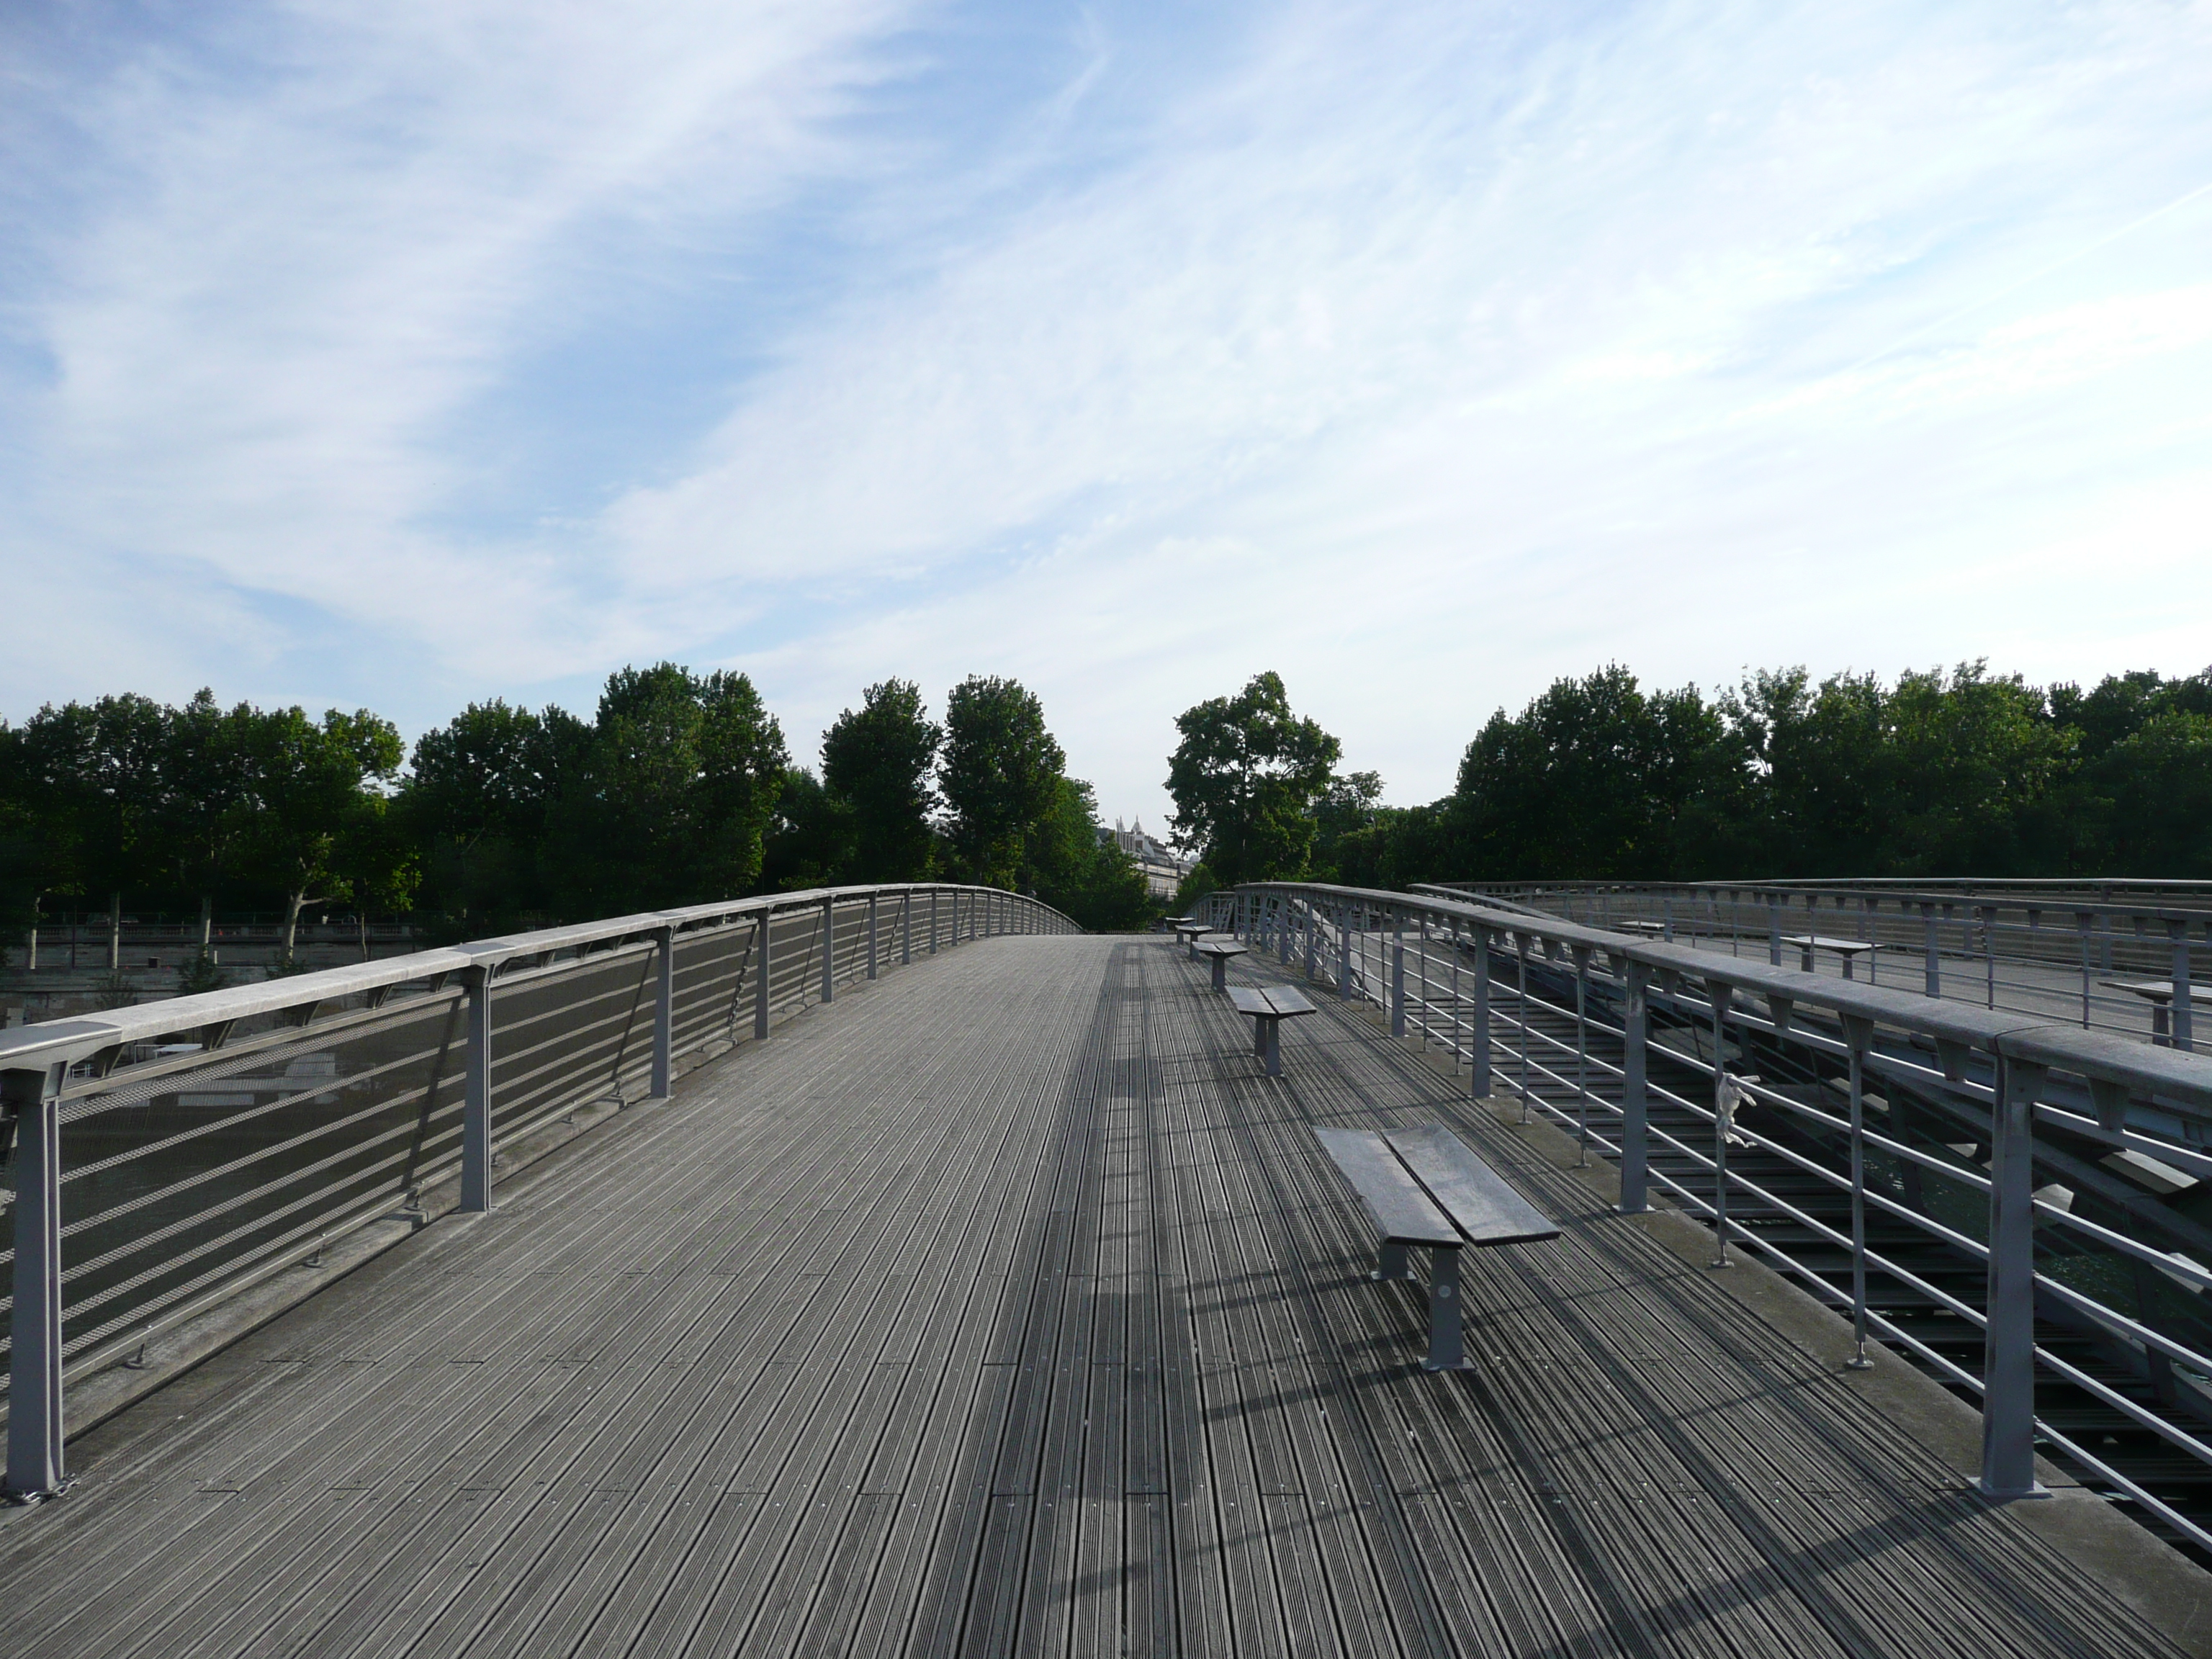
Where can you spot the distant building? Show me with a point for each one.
(1164, 868)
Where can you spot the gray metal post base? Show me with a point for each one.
(1396, 1263)
(37, 1468)
(1445, 1351)
(1221, 973)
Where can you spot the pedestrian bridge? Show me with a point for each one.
(1003, 1306)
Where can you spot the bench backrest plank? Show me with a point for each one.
(1475, 1195)
(1402, 1212)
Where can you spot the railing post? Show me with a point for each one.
(1858, 1033)
(1635, 1132)
(1478, 1041)
(1724, 1116)
(2008, 1350)
(828, 950)
(871, 936)
(1774, 930)
(905, 928)
(932, 920)
(1582, 955)
(1313, 942)
(37, 1461)
(761, 989)
(2179, 933)
(476, 1101)
(1343, 953)
(1934, 960)
(664, 1015)
(1398, 981)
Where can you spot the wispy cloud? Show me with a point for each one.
(1420, 353)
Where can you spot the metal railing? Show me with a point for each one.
(166, 1157)
(1988, 1175)
(2106, 955)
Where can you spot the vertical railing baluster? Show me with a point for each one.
(828, 950)
(1724, 1115)
(1478, 1041)
(38, 1465)
(762, 991)
(475, 1094)
(2083, 920)
(2009, 1343)
(1343, 953)
(1398, 980)
(1934, 951)
(1528, 1043)
(664, 1013)
(1635, 1149)
(2183, 1010)
(1858, 1032)
(1582, 954)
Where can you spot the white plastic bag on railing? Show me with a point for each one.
(1733, 1094)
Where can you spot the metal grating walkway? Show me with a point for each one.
(1005, 1308)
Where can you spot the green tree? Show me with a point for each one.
(668, 799)
(475, 802)
(94, 776)
(1001, 777)
(1247, 779)
(1594, 779)
(876, 763)
(1086, 875)
(810, 840)
(2158, 780)
(204, 815)
(317, 809)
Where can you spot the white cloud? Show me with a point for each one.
(1423, 354)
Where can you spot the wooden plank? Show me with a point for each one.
(1024, 1208)
(1401, 1213)
(1484, 1207)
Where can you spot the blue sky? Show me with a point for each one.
(410, 355)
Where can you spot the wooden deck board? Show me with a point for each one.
(1005, 1308)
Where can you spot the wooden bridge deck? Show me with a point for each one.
(1005, 1308)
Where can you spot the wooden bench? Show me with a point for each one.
(1423, 1186)
(1220, 950)
(1850, 949)
(2159, 992)
(1269, 1006)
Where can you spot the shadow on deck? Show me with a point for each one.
(1006, 1308)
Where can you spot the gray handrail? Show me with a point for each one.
(2022, 1052)
(201, 1233)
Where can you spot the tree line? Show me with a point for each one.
(679, 789)
(1938, 773)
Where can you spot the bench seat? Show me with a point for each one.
(1423, 1186)
(1219, 949)
(1269, 1006)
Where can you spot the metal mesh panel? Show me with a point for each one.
(169, 1192)
(184, 1174)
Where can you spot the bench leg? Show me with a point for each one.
(1259, 1039)
(1394, 1264)
(1445, 1353)
(1274, 1046)
(1221, 973)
